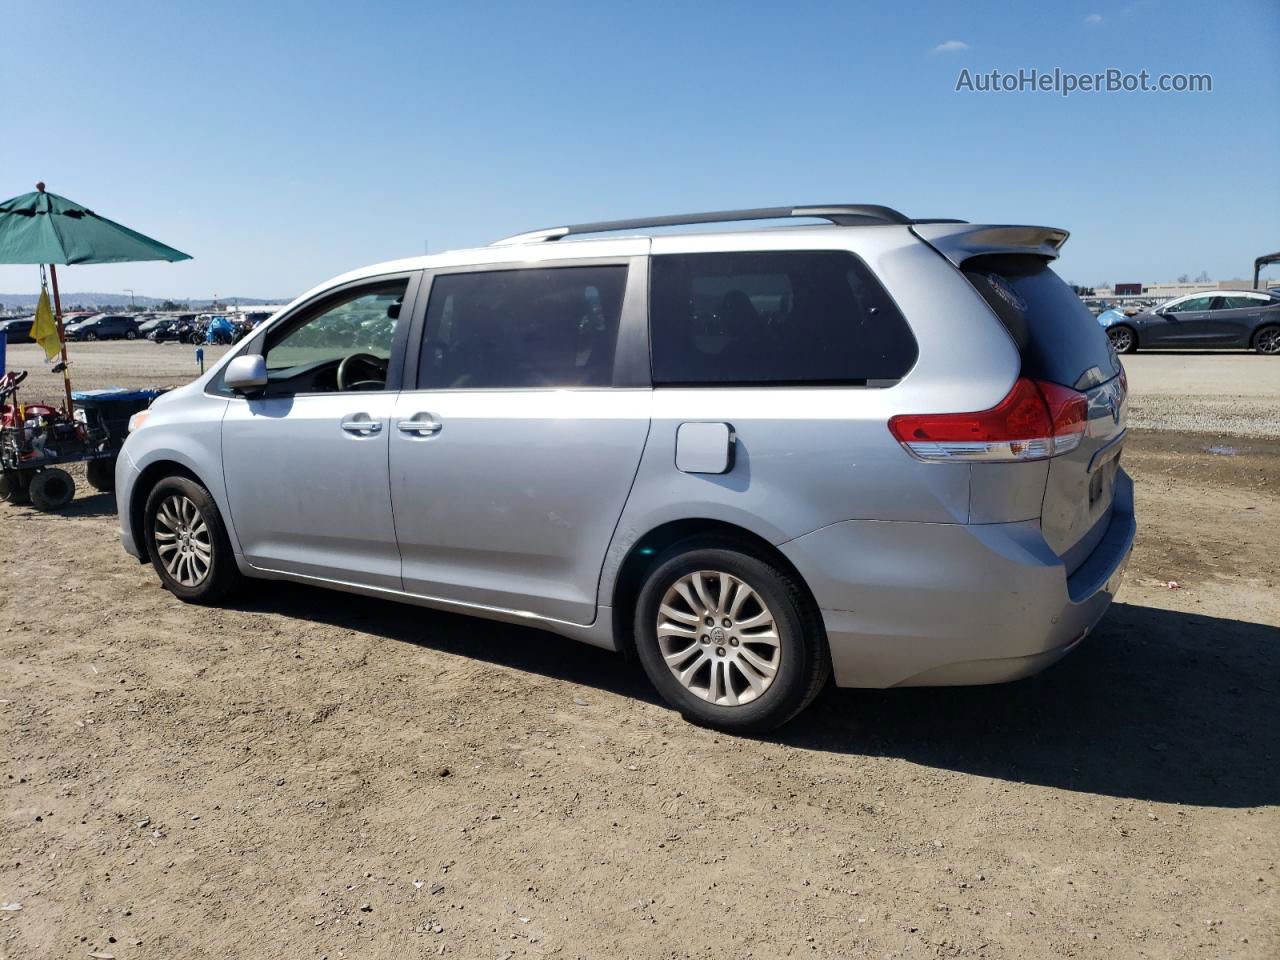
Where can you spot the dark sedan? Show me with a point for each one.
(105, 326)
(1220, 318)
(17, 330)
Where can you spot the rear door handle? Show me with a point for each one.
(361, 424)
(420, 424)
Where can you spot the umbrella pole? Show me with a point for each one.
(62, 341)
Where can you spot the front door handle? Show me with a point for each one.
(420, 424)
(361, 424)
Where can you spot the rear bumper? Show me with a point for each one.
(933, 604)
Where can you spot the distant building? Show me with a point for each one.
(1167, 291)
(256, 308)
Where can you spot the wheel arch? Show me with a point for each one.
(1260, 329)
(645, 551)
(151, 475)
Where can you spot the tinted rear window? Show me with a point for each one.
(1060, 341)
(793, 317)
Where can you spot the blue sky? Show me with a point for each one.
(281, 143)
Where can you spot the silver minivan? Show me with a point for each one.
(877, 449)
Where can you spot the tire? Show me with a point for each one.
(1267, 340)
(130, 335)
(91, 336)
(101, 474)
(717, 689)
(51, 489)
(1123, 338)
(13, 487)
(181, 519)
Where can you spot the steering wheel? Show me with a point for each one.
(368, 364)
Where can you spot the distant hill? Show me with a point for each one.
(71, 300)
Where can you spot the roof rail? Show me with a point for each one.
(841, 214)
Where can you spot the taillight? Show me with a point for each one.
(1034, 421)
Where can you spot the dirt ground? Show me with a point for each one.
(309, 774)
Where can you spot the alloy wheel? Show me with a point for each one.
(718, 638)
(1269, 340)
(1121, 339)
(182, 540)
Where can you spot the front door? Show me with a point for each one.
(306, 460)
(513, 457)
(1184, 324)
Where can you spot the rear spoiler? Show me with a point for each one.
(960, 241)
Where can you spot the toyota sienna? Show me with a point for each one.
(877, 449)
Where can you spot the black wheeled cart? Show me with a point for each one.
(37, 441)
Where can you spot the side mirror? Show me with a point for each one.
(246, 373)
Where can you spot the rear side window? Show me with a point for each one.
(1060, 341)
(1241, 303)
(537, 327)
(785, 317)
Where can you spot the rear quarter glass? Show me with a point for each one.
(1059, 340)
(781, 317)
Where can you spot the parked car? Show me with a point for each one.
(1217, 318)
(104, 326)
(17, 330)
(753, 459)
(252, 318)
(177, 328)
(147, 324)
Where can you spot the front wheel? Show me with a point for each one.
(1267, 340)
(1123, 339)
(728, 639)
(188, 542)
(91, 336)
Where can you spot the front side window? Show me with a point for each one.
(1191, 306)
(528, 328)
(779, 317)
(344, 344)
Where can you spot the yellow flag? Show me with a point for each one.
(44, 330)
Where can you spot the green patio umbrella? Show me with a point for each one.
(42, 227)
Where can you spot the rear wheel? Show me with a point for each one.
(1267, 340)
(101, 474)
(1123, 338)
(728, 639)
(13, 487)
(51, 489)
(130, 335)
(188, 542)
